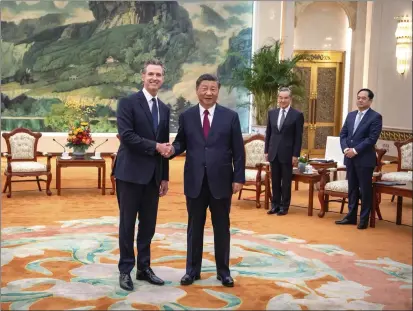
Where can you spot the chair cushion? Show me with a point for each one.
(251, 175)
(22, 146)
(398, 176)
(406, 157)
(28, 167)
(337, 186)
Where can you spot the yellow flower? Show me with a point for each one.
(84, 124)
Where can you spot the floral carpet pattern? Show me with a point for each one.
(73, 266)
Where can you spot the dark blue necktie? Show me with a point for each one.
(155, 114)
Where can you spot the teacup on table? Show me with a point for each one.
(97, 155)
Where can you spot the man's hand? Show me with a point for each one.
(165, 149)
(163, 189)
(236, 187)
(350, 153)
(266, 156)
(295, 161)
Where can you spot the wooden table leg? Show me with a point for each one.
(103, 179)
(310, 198)
(99, 177)
(58, 178)
(267, 191)
(399, 210)
(373, 208)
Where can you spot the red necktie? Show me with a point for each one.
(206, 126)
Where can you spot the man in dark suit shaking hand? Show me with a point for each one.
(283, 140)
(141, 172)
(358, 138)
(214, 171)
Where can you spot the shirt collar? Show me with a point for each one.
(210, 110)
(364, 112)
(148, 96)
(286, 109)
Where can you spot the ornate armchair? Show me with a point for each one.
(256, 168)
(404, 163)
(112, 177)
(339, 188)
(22, 159)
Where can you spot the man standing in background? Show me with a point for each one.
(358, 139)
(283, 140)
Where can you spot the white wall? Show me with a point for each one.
(393, 91)
(321, 26)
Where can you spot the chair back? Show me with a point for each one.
(22, 144)
(254, 150)
(404, 151)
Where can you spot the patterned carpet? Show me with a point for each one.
(72, 265)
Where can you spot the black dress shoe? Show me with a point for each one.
(125, 281)
(226, 281)
(346, 221)
(363, 225)
(148, 275)
(282, 212)
(188, 279)
(273, 210)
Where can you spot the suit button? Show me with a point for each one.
(206, 148)
(351, 140)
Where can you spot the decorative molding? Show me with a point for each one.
(395, 135)
(349, 7)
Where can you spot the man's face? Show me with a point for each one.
(284, 99)
(207, 93)
(153, 78)
(363, 100)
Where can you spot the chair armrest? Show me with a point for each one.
(9, 157)
(113, 155)
(265, 163)
(45, 154)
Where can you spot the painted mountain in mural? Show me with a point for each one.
(90, 54)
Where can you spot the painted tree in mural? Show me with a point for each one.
(76, 51)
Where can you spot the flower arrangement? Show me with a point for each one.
(303, 159)
(80, 137)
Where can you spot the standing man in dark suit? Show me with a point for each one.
(214, 171)
(283, 140)
(358, 138)
(141, 172)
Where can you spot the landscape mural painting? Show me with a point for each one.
(66, 60)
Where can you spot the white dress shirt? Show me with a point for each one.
(149, 97)
(281, 113)
(210, 115)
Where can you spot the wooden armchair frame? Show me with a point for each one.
(9, 172)
(323, 194)
(259, 167)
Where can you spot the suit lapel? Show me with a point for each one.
(277, 112)
(198, 124)
(145, 107)
(161, 115)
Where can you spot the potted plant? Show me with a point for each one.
(79, 138)
(264, 75)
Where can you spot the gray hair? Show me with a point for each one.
(155, 62)
(284, 89)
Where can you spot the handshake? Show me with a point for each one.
(165, 149)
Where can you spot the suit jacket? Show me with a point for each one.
(222, 154)
(364, 138)
(285, 143)
(137, 160)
